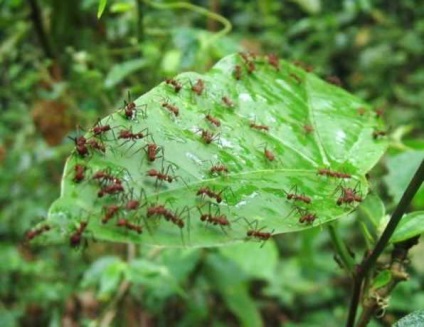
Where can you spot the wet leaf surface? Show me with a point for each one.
(267, 134)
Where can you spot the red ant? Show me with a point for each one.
(160, 210)
(251, 67)
(248, 61)
(237, 72)
(198, 87)
(36, 232)
(330, 173)
(171, 108)
(269, 155)
(161, 175)
(213, 120)
(379, 112)
(263, 236)
(127, 134)
(96, 145)
(174, 218)
(348, 196)
(227, 101)
(325, 172)
(133, 204)
(274, 61)
(219, 220)
(110, 212)
(217, 169)
(208, 136)
(157, 210)
(308, 128)
(79, 173)
(152, 150)
(130, 108)
(110, 189)
(216, 219)
(376, 134)
(259, 127)
(175, 84)
(245, 56)
(298, 197)
(255, 232)
(100, 129)
(304, 66)
(296, 78)
(75, 239)
(307, 218)
(361, 111)
(334, 80)
(80, 145)
(208, 192)
(104, 177)
(125, 223)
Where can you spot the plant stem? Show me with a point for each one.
(200, 10)
(370, 260)
(140, 22)
(341, 249)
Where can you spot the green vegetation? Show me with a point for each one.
(64, 68)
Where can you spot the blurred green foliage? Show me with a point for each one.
(82, 68)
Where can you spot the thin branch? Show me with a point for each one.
(186, 5)
(370, 260)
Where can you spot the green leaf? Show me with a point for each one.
(154, 277)
(101, 8)
(253, 260)
(412, 320)
(401, 170)
(121, 7)
(312, 7)
(105, 273)
(232, 284)
(382, 279)
(120, 71)
(412, 224)
(374, 209)
(277, 129)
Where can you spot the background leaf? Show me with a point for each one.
(402, 167)
(101, 8)
(412, 224)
